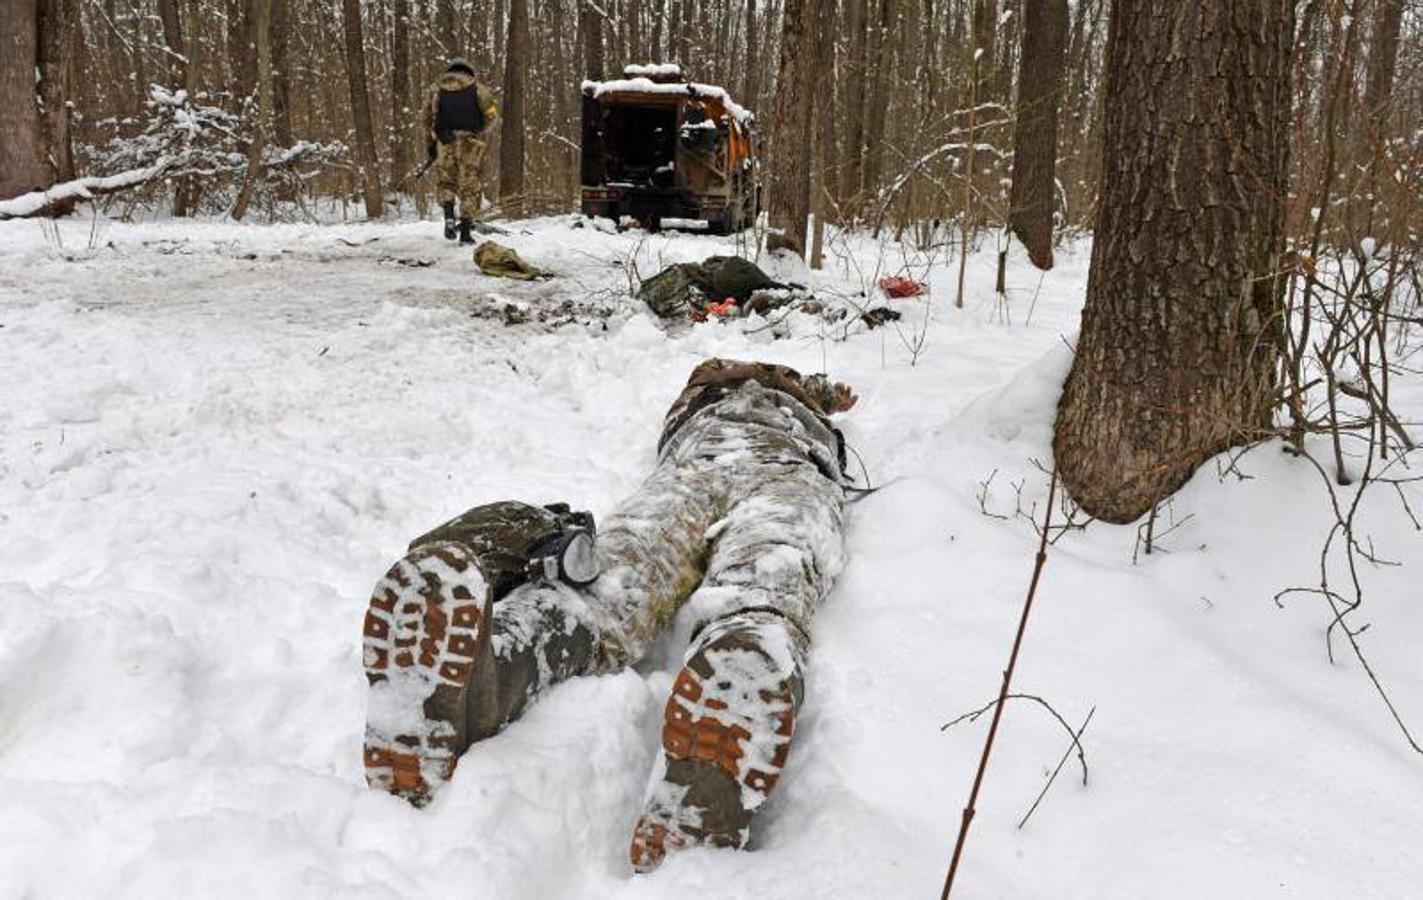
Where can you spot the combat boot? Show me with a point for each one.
(466, 226)
(449, 209)
(726, 735)
(448, 667)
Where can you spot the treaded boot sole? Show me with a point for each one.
(420, 636)
(726, 735)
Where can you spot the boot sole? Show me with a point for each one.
(706, 741)
(421, 632)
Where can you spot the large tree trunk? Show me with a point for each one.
(22, 167)
(1177, 356)
(279, 35)
(590, 27)
(1383, 58)
(170, 14)
(400, 113)
(985, 28)
(851, 172)
(261, 30)
(361, 107)
(1035, 131)
(58, 37)
(823, 83)
(884, 42)
(447, 27)
(511, 141)
(749, 85)
(790, 129)
(241, 49)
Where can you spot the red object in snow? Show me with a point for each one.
(723, 308)
(899, 286)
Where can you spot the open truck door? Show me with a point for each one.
(659, 151)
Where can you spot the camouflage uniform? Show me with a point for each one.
(740, 531)
(459, 154)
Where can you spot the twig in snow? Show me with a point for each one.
(1076, 742)
(1039, 561)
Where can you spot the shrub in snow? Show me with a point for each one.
(207, 148)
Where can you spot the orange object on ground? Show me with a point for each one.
(899, 286)
(721, 308)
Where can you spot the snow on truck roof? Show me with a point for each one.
(641, 83)
(653, 70)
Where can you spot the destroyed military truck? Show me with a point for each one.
(660, 151)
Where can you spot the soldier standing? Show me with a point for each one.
(457, 112)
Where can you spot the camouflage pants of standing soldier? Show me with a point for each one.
(458, 172)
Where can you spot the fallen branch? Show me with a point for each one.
(973, 715)
(1077, 742)
(40, 202)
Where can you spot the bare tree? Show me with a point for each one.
(1179, 348)
(511, 141)
(590, 24)
(750, 84)
(791, 148)
(822, 110)
(58, 33)
(22, 166)
(1383, 55)
(1035, 128)
(400, 113)
(361, 107)
(174, 47)
(261, 21)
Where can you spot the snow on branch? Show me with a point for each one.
(38, 202)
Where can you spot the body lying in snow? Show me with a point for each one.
(739, 529)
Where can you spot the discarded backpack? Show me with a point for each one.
(501, 262)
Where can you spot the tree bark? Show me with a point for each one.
(279, 36)
(1177, 358)
(1383, 58)
(883, 49)
(171, 16)
(511, 142)
(448, 27)
(1035, 129)
(590, 26)
(361, 107)
(823, 83)
(242, 49)
(22, 167)
(851, 172)
(400, 113)
(58, 37)
(261, 22)
(985, 27)
(790, 128)
(749, 85)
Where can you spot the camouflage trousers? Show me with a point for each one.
(739, 516)
(459, 169)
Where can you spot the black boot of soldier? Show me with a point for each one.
(465, 227)
(449, 209)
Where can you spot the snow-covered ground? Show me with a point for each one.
(214, 439)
